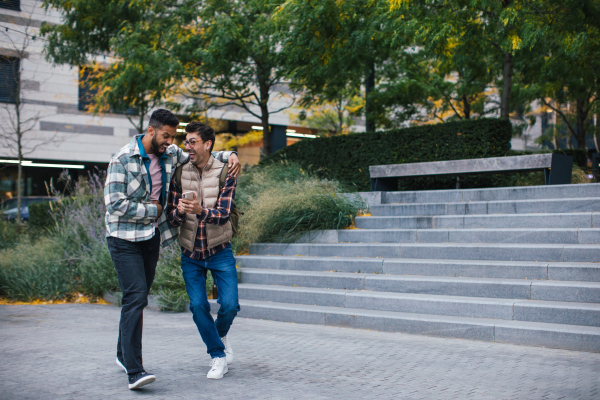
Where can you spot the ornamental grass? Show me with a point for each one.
(281, 202)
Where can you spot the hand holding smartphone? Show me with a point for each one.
(188, 195)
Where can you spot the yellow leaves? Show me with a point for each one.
(397, 4)
(250, 137)
(516, 42)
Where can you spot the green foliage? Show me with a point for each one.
(281, 202)
(347, 158)
(69, 257)
(40, 216)
(564, 61)
(134, 33)
(80, 230)
(9, 233)
(36, 270)
(169, 285)
(168, 282)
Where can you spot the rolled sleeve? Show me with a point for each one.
(173, 216)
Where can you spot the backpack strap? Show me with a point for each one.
(223, 175)
(178, 173)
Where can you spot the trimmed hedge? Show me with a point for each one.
(347, 158)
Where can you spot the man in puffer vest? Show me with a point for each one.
(205, 237)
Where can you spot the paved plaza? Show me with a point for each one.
(68, 352)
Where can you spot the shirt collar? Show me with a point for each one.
(141, 147)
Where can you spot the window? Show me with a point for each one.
(11, 4)
(9, 78)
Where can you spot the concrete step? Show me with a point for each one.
(573, 291)
(495, 194)
(496, 235)
(586, 272)
(507, 309)
(571, 337)
(450, 251)
(589, 204)
(550, 220)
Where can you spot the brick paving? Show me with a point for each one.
(68, 352)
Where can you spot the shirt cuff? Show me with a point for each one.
(178, 216)
(152, 210)
(203, 216)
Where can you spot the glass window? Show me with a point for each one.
(9, 78)
(11, 4)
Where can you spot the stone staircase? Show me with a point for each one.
(514, 265)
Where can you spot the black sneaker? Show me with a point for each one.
(140, 379)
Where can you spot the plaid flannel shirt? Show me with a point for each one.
(218, 216)
(130, 215)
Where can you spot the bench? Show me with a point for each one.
(557, 169)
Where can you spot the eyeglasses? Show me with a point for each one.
(191, 142)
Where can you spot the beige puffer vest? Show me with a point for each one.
(206, 187)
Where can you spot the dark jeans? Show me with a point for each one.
(135, 263)
(222, 267)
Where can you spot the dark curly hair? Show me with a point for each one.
(203, 130)
(162, 117)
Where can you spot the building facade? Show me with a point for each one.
(58, 132)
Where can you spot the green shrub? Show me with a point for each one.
(40, 216)
(9, 233)
(32, 271)
(347, 158)
(81, 232)
(281, 202)
(168, 282)
(96, 270)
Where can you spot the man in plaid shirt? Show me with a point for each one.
(205, 238)
(135, 194)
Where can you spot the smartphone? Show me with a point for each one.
(188, 195)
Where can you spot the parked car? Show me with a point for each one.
(9, 207)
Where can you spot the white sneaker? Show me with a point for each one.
(228, 349)
(219, 368)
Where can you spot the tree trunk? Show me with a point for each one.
(19, 199)
(266, 133)
(262, 77)
(597, 133)
(582, 114)
(466, 107)
(369, 86)
(339, 107)
(140, 127)
(507, 74)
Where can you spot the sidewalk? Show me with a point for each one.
(68, 352)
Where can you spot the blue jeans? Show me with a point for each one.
(222, 267)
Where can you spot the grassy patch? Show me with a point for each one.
(36, 271)
(281, 202)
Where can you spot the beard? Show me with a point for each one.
(156, 147)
